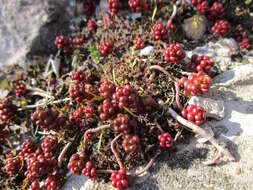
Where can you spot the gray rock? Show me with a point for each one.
(190, 29)
(28, 28)
(214, 108)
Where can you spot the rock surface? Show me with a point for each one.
(28, 28)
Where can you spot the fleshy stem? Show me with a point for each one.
(94, 130)
(174, 13)
(222, 149)
(159, 68)
(63, 152)
(177, 84)
(147, 167)
(115, 152)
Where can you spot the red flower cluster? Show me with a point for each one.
(90, 171)
(120, 180)
(13, 165)
(126, 96)
(108, 109)
(139, 43)
(106, 48)
(7, 110)
(48, 119)
(195, 114)
(122, 123)
(201, 63)
(201, 5)
(107, 89)
(221, 27)
(166, 141)
(195, 84)
(136, 5)
(131, 143)
(160, 32)
(77, 162)
(114, 7)
(174, 53)
(63, 43)
(216, 11)
(92, 25)
(20, 89)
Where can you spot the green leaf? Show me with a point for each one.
(94, 53)
(100, 140)
(4, 84)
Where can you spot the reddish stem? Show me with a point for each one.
(105, 171)
(178, 95)
(94, 131)
(222, 149)
(115, 152)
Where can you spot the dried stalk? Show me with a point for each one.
(222, 149)
(177, 84)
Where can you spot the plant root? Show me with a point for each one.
(222, 149)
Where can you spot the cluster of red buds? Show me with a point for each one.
(216, 11)
(195, 114)
(221, 27)
(106, 48)
(114, 7)
(7, 110)
(166, 141)
(242, 37)
(201, 63)
(63, 43)
(174, 53)
(131, 143)
(201, 5)
(196, 84)
(20, 89)
(120, 179)
(160, 32)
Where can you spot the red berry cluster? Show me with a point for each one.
(53, 182)
(77, 115)
(27, 148)
(38, 165)
(216, 11)
(48, 119)
(79, 77)
(90, 171)
(201, 5)
(78, 40)
(92, 25)
(195, 114)
(195, 84)
(166, 141)
(120, 180)
(242, 37)
(107, 110)
(201, 63)
(136, 5)
(7, 110)
(245, 44)
(139, 43)
(20, 89)
(106, 48)
(89, 111)
(114, 7)
(174, 53)
(131, 143)
(160, 31)
(49, 146)
(63, 43)
(77, 162)
(107, 89)
(78, 92)
(122, 124)
(221, 27)
(126, 96)
(13, 165)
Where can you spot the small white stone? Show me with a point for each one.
(147, 50)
